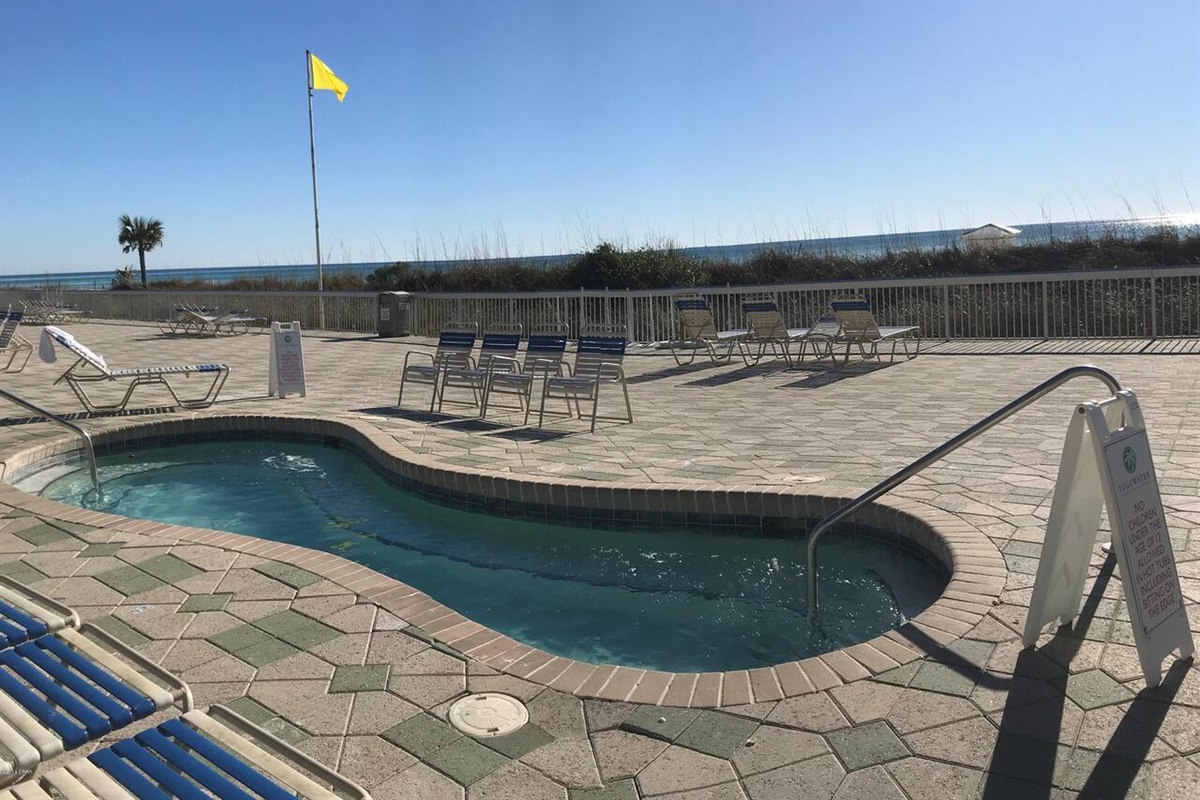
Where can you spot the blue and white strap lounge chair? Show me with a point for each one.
(63, 690)
(198, 756)
(859, 328)
(455, 343)
(27, 614)
(91, 368)
(543, 357)
(767, 331)
(11, 342)
(698, 331)
(500, 343)
(598, 358)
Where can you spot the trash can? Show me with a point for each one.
(393, 313)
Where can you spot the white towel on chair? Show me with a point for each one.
(46, 347)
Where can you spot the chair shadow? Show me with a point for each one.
(671, 372)
(739, 374)
(411, 414)
(827, 375)
(531, 434)
(1026, 752)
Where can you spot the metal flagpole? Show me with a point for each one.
(312, 152)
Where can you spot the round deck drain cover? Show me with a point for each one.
(487, 715)
(801, 479)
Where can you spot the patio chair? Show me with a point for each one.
(859, 328)
(65, 689)
(820, 338)
(543, 358)
(598, 358)
(27, 614)
(767, 331)
(197, 756)
(455, 343)
(500, 341)
(12, 343)
(91, 368)
(698, 331)
(243, 320)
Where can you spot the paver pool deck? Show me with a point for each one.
(292, 642)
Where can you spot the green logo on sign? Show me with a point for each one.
(1130, 459)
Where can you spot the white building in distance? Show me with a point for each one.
(990, 237)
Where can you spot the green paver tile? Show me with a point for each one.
(42, 534)
(621, 790)
(866, 745)
(421, 735)
(900, 676)
(285, 573)
(239, 638)
(524, 740)
(965, 652)
(284, 730)
(21, 572)
(660, 722)
(935, 677)
(466, 760)
(128, 580)
(255, 712)
(309, 636)
(276, 624)
(74, 527)
(120, 630)
(1094, 689)
(169, 568)
(263, 653)
(206, 602)
(95, 550)
(372, 677)
(720, 735)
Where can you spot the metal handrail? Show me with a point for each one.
(937, 454)
(87, 438)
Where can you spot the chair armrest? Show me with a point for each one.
(178, 689)
(610, 366)
(420, 353)
(510, 364)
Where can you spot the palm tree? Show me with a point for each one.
(141, 234)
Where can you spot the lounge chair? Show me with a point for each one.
(598, 358)
(543, 358)
(243, 320)
(198, 756)
(820, 338)
(12, 343)
(455, 343)
(767, 331)
(859, 328)
(65, 689)
(91, 368)
(698, 331)
(500, 341)
(27, 614)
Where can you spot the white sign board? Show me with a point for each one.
(287, 361)
(1106, 462)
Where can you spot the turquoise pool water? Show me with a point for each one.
(678, 600)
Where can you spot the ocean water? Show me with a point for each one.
(865, 246)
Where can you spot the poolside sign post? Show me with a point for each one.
(287, 361)
(1107, 462)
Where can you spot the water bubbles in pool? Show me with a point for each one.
(291, 463)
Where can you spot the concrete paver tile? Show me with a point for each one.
(620, 754)
(811, 712)
(418, 782)
(466, 760)
(678, 769)
(866, 745)
(777, 747)
(815, 779)
(922, 779)
(515, 781)
(873, 783)
(566, 761)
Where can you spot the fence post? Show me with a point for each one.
(582, 311)
(1153, 305)
(946, 309)
(629, 332)
(1045, 309)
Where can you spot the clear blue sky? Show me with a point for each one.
(521, 128)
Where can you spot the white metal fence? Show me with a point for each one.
(1140, 303)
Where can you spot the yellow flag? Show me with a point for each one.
(323, 78)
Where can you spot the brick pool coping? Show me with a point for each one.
(977, 568)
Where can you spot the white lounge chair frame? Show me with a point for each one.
(698, 331)
(543, 357)
(91, 368)
(30, 742)
(599, 354)
(766, 330)
(455, 343)
(269, 755)
(12, 342)
(859, 328)
(54, 614)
